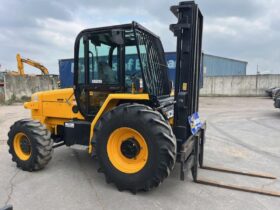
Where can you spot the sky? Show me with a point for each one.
(45, 30)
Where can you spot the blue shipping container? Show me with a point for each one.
(66, 72)
(66, 68)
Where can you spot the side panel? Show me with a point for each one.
(59, 110)
(53, 108)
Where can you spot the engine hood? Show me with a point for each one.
(60, 95)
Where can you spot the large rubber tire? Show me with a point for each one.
(40, 143)
(158, 136)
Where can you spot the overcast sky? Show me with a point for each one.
(45, 30)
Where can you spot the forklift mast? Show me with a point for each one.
(188, 31)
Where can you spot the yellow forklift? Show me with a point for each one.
(127, 119)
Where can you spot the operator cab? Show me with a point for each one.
(118, 59)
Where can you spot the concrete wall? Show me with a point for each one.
(18, 88)
(254, 85)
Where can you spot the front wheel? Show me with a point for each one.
(30, 144)
(135, 146)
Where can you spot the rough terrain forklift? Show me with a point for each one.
(125, 118)
(128, 119)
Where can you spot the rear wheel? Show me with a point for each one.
(135, 146)
(30, 144)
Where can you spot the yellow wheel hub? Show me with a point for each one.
(127, 150)
(22, 146)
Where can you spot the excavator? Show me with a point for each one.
(20, 64)
(127, 119)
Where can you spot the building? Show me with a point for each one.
(219, 66)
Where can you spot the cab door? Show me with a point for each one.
(97, 73)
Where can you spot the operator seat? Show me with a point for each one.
(106, 73)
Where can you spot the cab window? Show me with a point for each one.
(103, 64)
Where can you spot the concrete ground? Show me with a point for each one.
(242, 133)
